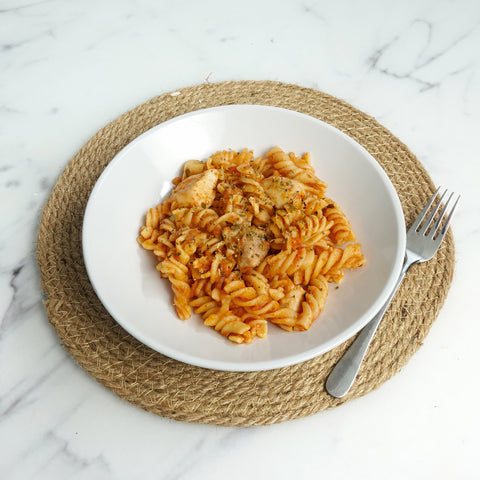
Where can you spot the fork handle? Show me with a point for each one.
(343, 375)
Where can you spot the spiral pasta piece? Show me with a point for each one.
(286, 166)
(341, 231)
(308, 231)
(177, 274)
(314, 303)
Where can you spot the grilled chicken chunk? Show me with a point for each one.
(282, 190)
(293, 299)
(249, 245)
(196, 190)
(254, 247)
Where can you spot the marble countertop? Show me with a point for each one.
(68, 68)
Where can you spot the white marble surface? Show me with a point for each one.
(68, 68)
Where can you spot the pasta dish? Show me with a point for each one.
(246, 241)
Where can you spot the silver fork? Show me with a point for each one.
(423, 241)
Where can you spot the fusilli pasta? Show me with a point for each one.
(248, 241)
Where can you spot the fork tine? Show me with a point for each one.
(434, 229)
(432, 215)
(449, 218)
(422, 214)
(444, 229)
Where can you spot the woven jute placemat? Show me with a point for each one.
(183, 392)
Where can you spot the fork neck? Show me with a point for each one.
(411, 258)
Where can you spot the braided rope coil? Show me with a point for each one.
(183, 392)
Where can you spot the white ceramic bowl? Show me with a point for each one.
(124, 276)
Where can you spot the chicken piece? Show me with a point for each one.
(197, 190)
(282, 190)
(231, 236)
(253, 247)
(192, 167)
(249, 245)
(293, 299)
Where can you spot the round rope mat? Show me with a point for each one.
(183, 392)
